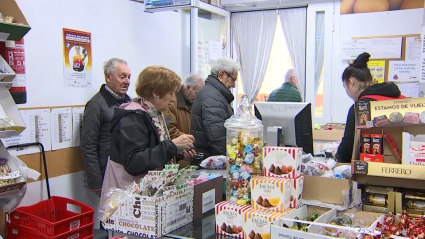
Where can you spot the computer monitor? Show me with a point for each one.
(286, 124)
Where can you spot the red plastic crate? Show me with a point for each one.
(54, 216)
(21, 232)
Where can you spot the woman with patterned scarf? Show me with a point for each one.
(140, 139)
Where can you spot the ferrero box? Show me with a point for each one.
(270, 193)
(230, 218)
(152, 217)
(282, 162)
(257, 223)
(389, 113)
(297, 191)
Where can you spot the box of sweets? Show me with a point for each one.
(257, 223)
(297, 191)
(270, 193)
(282, 162)
(153, 217)
(229, 218)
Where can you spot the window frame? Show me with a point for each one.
(312, 9)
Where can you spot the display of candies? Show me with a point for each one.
(244, 160)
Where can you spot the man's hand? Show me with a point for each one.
(97, 191)
(189, 154)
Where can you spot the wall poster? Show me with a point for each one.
(77, 58)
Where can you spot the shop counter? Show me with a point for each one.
(203, 227)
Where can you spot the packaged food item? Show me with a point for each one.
(411, 118)
(303, 226)
(415, 204)
(415, 195)
(116, 197)
(272, 194)
(375, 199)
(214, 162)
(229, 218)
(244, 146)
(393, 146)
(378, 189)
(297, 191)
(366, 140)
(400, 226)
(184, 175)
(284, 162)
(257, 223)
(4, 173)
(396, 117)
(380, 121)
(376, 144)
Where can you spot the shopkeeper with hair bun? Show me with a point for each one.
(358, 84)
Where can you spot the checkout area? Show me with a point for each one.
(285, 124)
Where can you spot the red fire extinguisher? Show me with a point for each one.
(14, 54)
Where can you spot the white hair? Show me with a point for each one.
(289, 74)
(225, 64)
(192, 81)
(111, 65)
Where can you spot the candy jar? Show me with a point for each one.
(244, 146)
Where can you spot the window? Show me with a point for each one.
(279, 63)
(318, 111)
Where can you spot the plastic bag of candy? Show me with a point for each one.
(116, 198)
(214, 162)
(321, 168)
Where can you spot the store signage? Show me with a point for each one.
(360, 167)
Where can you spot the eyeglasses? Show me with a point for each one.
(231, 77)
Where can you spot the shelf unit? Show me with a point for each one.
(11, 32)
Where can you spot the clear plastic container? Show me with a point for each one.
(244, 144)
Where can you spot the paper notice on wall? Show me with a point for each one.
(38, 129)
(413, 49)
(377, 69)
(214, 49)
(15, 140)
(423, 55)
(378, 48)
(403, 71)
(61, 128)
(77, 120)
(409, 89)
(77, 58)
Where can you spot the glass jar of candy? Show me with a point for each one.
(244, 146)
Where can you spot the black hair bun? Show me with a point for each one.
(362, 60)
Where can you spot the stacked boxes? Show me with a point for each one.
(230, 218)
(272, 194)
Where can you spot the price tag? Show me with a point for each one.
(360, 167)
(208, 200)
(12, 175)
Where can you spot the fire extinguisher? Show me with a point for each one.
(14, 54)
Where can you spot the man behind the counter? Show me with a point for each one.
(179, 113)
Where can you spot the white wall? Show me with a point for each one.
(368, 24)
(119, 28)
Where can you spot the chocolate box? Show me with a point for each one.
(297, 191)
(282, 162)
(153, 217)
(270, 193)
(229, 218)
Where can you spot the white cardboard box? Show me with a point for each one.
(277, 231)
(153, 217)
